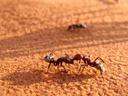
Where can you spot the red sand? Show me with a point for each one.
(31, 29)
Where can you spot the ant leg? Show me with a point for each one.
(87, 29)
(67, 55)
(69, 67)
(49, 66)
(58, 67)
(86, 63)
(82, 69)
(100, 59)
(79, 61)
(63, 67)
(79, 69)
(69, 27)
(100, 72)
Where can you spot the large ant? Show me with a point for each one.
(75, 26)
(60, 61)
(96, 63)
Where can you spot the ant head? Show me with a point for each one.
(45, 57)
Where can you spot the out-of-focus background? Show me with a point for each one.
(31, 29)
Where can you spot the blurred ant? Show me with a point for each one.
(76, 26)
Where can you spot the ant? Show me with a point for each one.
(96, 63)
(51, 59)
(75, 26)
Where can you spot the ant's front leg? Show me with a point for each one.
(58, 67)
(49, 66)
(100, 59)
(79, 69)
(69, 27)
(86, 64)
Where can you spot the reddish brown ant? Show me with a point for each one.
(97, 64)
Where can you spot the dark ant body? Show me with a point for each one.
(75, 26)
(65, 59)
(59, 61)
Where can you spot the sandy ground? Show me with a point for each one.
(31, 29)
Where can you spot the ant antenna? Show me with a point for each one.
(66, 54)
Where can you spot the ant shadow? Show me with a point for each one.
(37, 76)
(42, 42)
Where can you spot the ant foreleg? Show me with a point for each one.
(79, 69)
(83, 69)
(49, 66)
(58, 67)
(69, 27)
(100, 59)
